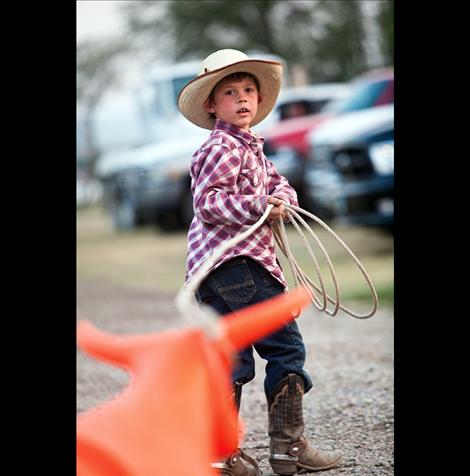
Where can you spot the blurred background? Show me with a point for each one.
(331, 132)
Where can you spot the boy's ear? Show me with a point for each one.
(260, 98)
(209, 105)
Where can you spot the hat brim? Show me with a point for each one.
(193, 96)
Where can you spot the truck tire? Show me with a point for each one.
(124, 214)
(186, 211)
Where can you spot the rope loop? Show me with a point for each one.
(293, 214)
(188, 307)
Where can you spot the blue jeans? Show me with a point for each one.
(240, 282)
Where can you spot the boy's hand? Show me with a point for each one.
(278, 210)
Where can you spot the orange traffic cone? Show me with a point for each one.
(176, 415)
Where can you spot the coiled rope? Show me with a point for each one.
(187, 305)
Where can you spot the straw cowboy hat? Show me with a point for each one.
(214, 68)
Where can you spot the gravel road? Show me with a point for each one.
(350, 407)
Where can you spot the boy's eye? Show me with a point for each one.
(230, 92)
(250, 89)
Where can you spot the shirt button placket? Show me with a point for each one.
(255, 148)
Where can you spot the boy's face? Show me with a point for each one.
(235, 102)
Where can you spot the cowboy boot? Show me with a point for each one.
(289, 449)
(235, 465)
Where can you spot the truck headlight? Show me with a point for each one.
(382, 157)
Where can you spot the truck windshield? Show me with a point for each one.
(165, 95)
(178, 85)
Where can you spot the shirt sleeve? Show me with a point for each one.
(215, 192)
(278, 186)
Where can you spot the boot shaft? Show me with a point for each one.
(289, 449)
(286, 423)
(237, 394)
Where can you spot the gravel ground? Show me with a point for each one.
(350, 407)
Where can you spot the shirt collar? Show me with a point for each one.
(248, 136)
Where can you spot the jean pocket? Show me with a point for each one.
(235, 283)
(242, 293)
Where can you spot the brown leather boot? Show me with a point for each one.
(290, 450)
(235, 465)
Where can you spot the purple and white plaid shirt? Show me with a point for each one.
(231, 181)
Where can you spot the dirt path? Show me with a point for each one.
(350, 407)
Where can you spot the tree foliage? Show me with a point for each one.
(326, 36)
(339, 52)
(97, 69)
(386, 22)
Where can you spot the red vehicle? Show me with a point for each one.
(372, 89)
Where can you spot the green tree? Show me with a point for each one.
(339, 49)
(197, 28)
(325, 36)
(183, 30)
(386, 24)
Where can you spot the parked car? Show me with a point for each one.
(304, 101)
(350, 176)
(154, 187)
(372, 89)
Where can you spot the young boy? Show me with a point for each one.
(232, 184)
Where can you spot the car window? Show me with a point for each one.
(165, 95)
(178, 84)
(300, 108)
(362, 97)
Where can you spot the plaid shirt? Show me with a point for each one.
(231, 181)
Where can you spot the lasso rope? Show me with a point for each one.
(185, 299)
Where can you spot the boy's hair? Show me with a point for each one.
(235, 77)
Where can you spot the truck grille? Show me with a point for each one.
(131, 179)
(354, 163)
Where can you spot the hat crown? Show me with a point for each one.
(221, 59)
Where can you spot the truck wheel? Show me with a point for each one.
(124, 214)
(186, 211)
(168, 221)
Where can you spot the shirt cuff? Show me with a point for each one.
(283, 197)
